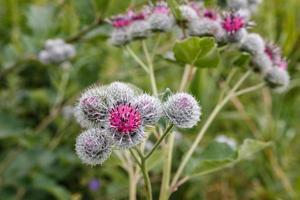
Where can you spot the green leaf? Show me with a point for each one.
(250, 147)
(199, 52)
(219, 155)
(45, 183)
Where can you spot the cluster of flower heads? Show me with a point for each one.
(56, 51)
(115, 116)
(268, 60)
(226, 27)
(199, 20)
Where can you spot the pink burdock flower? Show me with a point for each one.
(188, 12)
(233, 23)
(161, 18)
(118, 110)
(182, 110)
(120, 34)
(140, 28)
(275, 55)
(208, 25)
(235, 26)
(125, 125)
(277, 77)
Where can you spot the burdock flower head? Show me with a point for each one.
(120, 35)
(161, 19)
(275, 55)
(277, 76)
(56, 51)
(253, 44)
(140, 27)
(93, 146)
(235, 26)
(120, 111)
(278, 79)
(182, 110)
(208, 25)
(189, 11)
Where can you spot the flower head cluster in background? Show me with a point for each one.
(56, 51)
(115, 116)
(230, 27)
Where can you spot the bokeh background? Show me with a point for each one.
(38, 131)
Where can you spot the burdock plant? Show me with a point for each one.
(119, 117)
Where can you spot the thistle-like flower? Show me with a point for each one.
(118, 110)
(140, 27)
(56, 51)
(188, 12)
(92, 108)
(182, 110)
(120, 35)
(253, 44)
(275, 55)
(235, 26)
(261, 63)
(208, 25)
(150, 108)
(161, 19)
(93, 146)
(278, 79)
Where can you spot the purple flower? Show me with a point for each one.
(94, 185)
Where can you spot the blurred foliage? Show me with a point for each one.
(37, 134)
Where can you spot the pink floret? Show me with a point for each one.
(233, 23)
(125, 118)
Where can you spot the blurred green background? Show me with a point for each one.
(37, 131)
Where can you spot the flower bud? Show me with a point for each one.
(253, 44)
(92, 108)
(150, 108)
(182, 110)
(277, 79)
(93, 146)
(161, 19)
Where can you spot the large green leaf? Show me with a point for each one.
(199, 52)
(219, 155)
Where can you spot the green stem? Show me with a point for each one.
(201, 133)
(74, 38)
(135, 158)
(143, 166)
(165, 186)
(137, 59)
(147, 180)
(165, 134)
(164, 193)
(151, 70)
(250, 89)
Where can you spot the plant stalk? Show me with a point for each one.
(207, 124)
